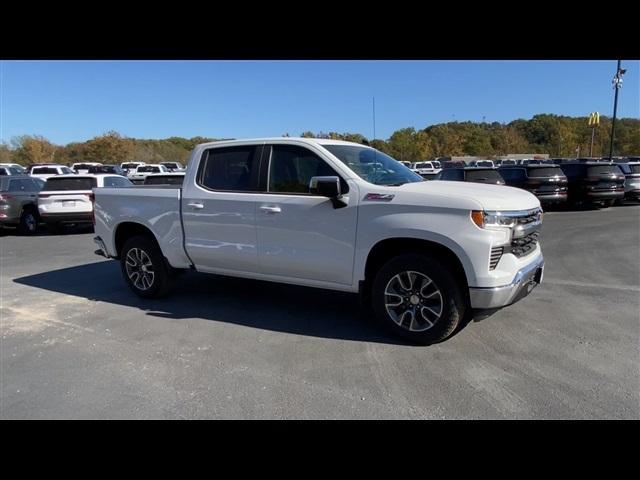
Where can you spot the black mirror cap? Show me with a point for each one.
(328, 187)
(325, 186)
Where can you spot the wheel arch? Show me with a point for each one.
(388, 248)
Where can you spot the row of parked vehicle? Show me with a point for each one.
(577, 181)
(58, 195)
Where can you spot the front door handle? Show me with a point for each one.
(270, 209)
(196, 205)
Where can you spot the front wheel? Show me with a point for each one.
(418, 298)
(144, 268)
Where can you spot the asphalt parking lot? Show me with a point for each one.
(76, 343)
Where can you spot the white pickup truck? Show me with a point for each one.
(335, 215)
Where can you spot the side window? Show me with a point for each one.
(512, 174)
(452, 174)
(116, 182)
(229, 169)
(17, 186)
(291, 167)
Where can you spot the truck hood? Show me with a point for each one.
(490, 197)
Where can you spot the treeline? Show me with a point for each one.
(559, 136)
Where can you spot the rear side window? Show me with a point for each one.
(512, 174)
(452, 174)
(229, 169)
(117, 182)
(292, 167)
(22, 185)
(165, 180)
(62, 184)
(545, 172)
(4, 171)
(483, 175)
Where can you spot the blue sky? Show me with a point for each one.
(69, 101)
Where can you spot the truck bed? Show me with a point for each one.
(155, 207)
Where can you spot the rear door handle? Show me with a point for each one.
(270, 209)
(196, 205)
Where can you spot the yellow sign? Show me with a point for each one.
(594, 119)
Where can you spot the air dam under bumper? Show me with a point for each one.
(496, 297)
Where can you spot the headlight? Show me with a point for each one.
(492, 219)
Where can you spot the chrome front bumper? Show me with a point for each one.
(496, 297)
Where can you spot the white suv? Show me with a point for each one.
(425, 168)
(144, 170)
(46, 171)
(69, 198)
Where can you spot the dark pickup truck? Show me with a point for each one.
(594, 183)
(547, 182)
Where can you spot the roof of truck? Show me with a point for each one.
(310, 141)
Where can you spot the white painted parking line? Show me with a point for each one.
(573, 283)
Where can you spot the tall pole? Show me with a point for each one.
(616, 85)
(593, 131)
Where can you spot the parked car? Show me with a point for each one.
(425, 168)
(436, 164)
(453, 164)
(18, 202)
(507, 161)
(547, 182)
(16, 166)
(130, 167)
(6, 170)
(407, 164)
(113, 169)
(143, 170)
(68, 199)
(84, 166)
(471, 174)
(311, 212)
(631, 171)
(593, 183)
(173, 166)
(482, 163)
(47, 171)
(173, 178)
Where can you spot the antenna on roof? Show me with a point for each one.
(374, 118)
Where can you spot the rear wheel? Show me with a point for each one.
(144, 268)
(28, 222)
(417, 298)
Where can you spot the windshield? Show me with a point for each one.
(423, 165)
(373, 166)
(545, 172)
(605, 170)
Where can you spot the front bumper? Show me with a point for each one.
(497, 297)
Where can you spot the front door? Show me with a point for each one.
(302, 235)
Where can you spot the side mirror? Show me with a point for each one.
(327, 187)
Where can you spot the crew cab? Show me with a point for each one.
(330, 214)
(425, 168)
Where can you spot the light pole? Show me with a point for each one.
(617, 83)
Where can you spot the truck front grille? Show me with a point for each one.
(524, 245)
(496, 255)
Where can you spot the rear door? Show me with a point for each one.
(301, 235)
(219, 212)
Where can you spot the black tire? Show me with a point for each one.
(145, 285)
(28, 222)
(452, 303)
